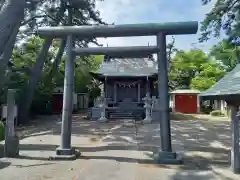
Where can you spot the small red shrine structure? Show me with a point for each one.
(80, 101)
(185, 101)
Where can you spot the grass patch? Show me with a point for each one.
(217, 113)
(182, 116)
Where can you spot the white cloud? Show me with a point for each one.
(142, 11)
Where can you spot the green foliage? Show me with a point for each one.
(84, 81)
(194, 69)
(206, 108)
(48, 13)
(224, 15)
(226, 52)
(202, 83)
(43, 13)
(1, 131)
(208, 75)
(25, 55)
(216, 113)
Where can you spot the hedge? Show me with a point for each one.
(216, 113)
(1, 131)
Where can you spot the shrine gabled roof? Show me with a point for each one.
(128, 67)
(228, 85)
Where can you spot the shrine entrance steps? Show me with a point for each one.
(126, 114)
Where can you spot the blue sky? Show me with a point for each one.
(150, 11)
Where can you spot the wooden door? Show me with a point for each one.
(186, 103)
(57, 103)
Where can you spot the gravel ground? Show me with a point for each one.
(121, 151)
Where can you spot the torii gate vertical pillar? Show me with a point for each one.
(166, 155)
(65, 150)
(235, 154)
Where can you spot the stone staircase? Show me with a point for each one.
(122, 110)
(126, 114)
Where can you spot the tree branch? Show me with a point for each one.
(32, 18)
(57, 59)
(222, 16)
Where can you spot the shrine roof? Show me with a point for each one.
(228, 85)
(185, 91)
(137, 67)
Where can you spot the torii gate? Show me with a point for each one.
(160, 30)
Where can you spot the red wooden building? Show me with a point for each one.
(185, 101)
(80, 101)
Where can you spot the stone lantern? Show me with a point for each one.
(148, 107)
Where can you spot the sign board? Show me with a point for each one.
(10, 113)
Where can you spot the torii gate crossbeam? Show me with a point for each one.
(126, 30)
(117, 52)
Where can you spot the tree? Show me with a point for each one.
(171, 49)
(38, 13)
(36, 69)
(84, 81)
(226, 52)
(25, 55)
(185, 66)
(11, 15)
(54, 14)
(6, 55)
(210, 73)
(225, 15)
(192, 67)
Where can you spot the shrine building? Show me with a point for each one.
(126, 81)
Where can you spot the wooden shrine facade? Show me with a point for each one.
(125, 83)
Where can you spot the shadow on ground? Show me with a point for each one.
(4, 164)
(183, 116)
(202, 144)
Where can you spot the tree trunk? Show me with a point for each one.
(57, 59)
(4, 59)
(12, 13)
(56, 62)
(26, 99)
(5, 80)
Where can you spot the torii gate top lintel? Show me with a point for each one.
(125, 30)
